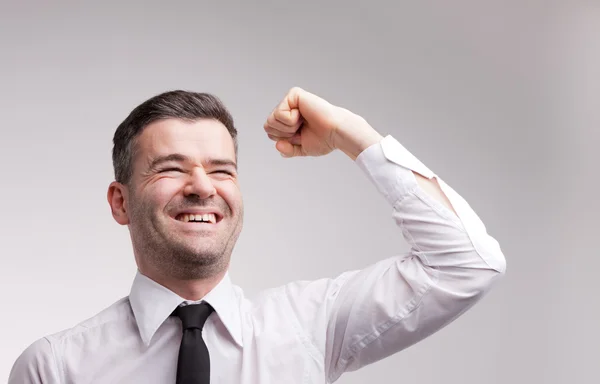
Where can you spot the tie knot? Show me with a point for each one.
(194, 315)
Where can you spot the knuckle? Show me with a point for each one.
(283, 117)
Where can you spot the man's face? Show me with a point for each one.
(185, 206)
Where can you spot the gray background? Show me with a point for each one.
(499, 98)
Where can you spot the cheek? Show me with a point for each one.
(232, 195)
(160, 193)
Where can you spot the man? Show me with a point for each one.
(184, 321)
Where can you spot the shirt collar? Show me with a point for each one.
(153, 303)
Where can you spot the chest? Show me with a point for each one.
(274, 351)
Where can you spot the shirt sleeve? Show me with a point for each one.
(363, 316)
(36, 365)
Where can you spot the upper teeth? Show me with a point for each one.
(207, 217)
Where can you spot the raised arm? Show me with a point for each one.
(363, 316)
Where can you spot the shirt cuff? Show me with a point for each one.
(380, 161)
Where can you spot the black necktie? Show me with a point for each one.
(193, 365)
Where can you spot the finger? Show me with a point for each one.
(287, 111)
(275, 138)
(286, 149)
(296, 139)
(275, 132)
(293, 138)
(278, 125)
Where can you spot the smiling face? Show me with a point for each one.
(183, 204)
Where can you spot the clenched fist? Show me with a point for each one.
(304, 124)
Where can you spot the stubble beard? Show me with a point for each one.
(172, 255)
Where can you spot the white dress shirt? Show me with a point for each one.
(304, 331)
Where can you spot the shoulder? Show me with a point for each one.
(36, 364)
(40, 361)
(118, 312)
(303, 298)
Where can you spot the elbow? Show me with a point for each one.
(483, 280)
(472, 283)
(492, 269)
(498, 264)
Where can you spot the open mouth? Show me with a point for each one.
(210, 218)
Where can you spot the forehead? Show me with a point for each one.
(204, 138)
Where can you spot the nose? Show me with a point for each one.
(199, 184)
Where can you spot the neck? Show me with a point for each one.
(189, 289)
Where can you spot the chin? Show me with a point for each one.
(198, 251)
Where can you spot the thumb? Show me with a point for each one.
(287, 149)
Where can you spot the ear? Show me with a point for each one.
(117, 199)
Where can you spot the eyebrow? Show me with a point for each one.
(177, 157)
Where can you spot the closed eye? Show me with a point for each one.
(225, 172)
(171, 170)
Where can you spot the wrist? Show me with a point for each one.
(354, 135)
